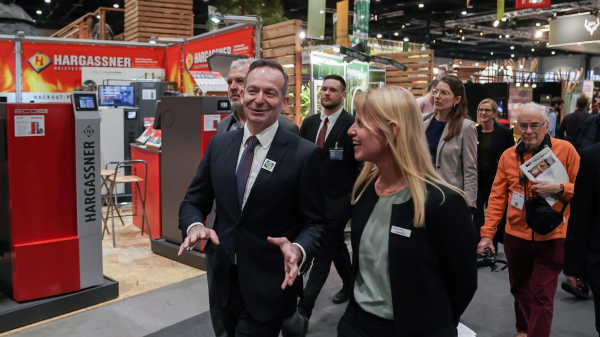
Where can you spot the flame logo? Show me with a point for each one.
(39, 61)
(7, 84)
(591, 26)
(189, 61)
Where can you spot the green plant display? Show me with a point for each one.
(271, 11)
(305, 96)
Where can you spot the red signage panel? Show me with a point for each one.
(524, 4)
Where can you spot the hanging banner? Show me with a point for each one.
(196, 53)
(500, 14)
(524, 4)
(7, 70)
(174, 65)
(577, 32)
(52, 71)
(341, 27)
(360, 25)
(315, 28)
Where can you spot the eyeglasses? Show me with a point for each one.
(442, 93)
(533, 126)
(485, 111)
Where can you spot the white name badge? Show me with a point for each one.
(269, 165)
(401, 231)
(517, 200)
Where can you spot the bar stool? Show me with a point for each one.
(112, 205)
(104, 174)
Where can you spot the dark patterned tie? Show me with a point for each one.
(243, 171)
(322, 133)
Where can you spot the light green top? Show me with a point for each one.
(372, 289)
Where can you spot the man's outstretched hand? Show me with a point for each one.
(198, 233)
(292, 255)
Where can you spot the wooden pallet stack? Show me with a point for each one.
(158, 18)
(281, 42)
(469, 70)
(419, 72)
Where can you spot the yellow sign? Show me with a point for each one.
(342, 23)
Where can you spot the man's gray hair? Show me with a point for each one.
(241, 62)
(532, 105)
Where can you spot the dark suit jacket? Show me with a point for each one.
(582, 246)
(340, 175)
(287, 124)
(433, 273)
(502, 139)
(287, 202)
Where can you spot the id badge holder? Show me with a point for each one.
(336, 153)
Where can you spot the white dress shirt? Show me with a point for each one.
(330, 122)
(265, 138)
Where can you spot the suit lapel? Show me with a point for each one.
(276, 153)
(335, 131)
(313, 129)
(231, 155)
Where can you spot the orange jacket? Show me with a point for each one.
(507, 182)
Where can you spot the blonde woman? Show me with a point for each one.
(412, 235)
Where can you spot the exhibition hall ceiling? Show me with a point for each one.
(452, 28)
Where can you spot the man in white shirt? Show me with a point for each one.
(268, 187)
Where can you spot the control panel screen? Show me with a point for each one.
(224, 105)
(131, 114)
(85, 102)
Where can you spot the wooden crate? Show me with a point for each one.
(159, 18)
(419, 72)
(281, 42)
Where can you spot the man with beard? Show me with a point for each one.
(235, 82)
(329, 130)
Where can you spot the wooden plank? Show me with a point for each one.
(161, 6)
(289, 110)
(284, 60)
(407, 53)
(159, 25)
(163, 10)
(291, 79)
(298, 75)
(279, 42)
(182, 32)
(272, 34)
(159, 20)
(291, 89)
(408, 78)
(418, 91)
(278, 52)
(278, 25)
(411, 85)
(408, 72)
(412, 59)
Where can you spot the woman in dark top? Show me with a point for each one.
(493, 139)
(412, 235)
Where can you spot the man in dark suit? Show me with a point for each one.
(582, 245)
(329, 130)
(268, 187)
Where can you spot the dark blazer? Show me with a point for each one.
(502, 139)
(582, 246)
(433, 273)
(287, 124)
(340, 175)
(287, 202)
(588, 132)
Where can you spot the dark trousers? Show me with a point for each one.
(334, 250)
(533, 270)
(596, 292)
(237, 319)
(214, 310)
(484, 189)
(358, 323)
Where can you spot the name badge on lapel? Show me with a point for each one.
(268, 165)
(336, 153)
(401, 231)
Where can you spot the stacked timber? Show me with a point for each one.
(158, 18)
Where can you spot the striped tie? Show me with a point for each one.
(243, 171)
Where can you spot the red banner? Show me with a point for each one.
(56, 68)
(174, 65)
(196, 53)
(7, 66)
(524, 4)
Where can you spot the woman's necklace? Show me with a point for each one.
(383, 191)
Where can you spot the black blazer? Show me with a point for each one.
(582, 246)
(502, 139)
(287, 202)
(433, 273)
(340, 175)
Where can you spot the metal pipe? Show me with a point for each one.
(18, 69)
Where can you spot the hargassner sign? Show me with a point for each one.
(577, 32)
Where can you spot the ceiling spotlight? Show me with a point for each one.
(518, 84)
(503, 19)
(492, 53)
(480, 33)
(460, 31)
(302, 34)
(512, 47)
(538, 33)
(152, 40)
(520, 66)
(526, 85)
(496, 23)
(379, 36)
(464, 13)
(396, 34)
(476, 64)
(38, 12)
(116, 6)
(321, 12)
(47, 1)
(538, 24)
(532, 49)
(406, 39)
(553, 52)
(459, 41)
(463, 37)
(512, 55)
(460, 62)
(216, 18)
(97, 16)
(432, 41)
(534, 85)
(402, 26)
(499, 36)
(507, 36)
(421, 5)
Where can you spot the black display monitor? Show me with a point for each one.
(85, 101)
(116, 95)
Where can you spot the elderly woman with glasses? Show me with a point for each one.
(492, 140)
(452, 137)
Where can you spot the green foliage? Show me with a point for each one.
(271, 11)
(305, 95)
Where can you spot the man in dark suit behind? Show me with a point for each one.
(270, 209)
(329, 130)
(582, 245)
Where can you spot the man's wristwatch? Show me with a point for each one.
(562, 190)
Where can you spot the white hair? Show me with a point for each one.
(241, 62)
(542, 108)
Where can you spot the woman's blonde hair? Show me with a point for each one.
(409, 147)
(494, 106)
